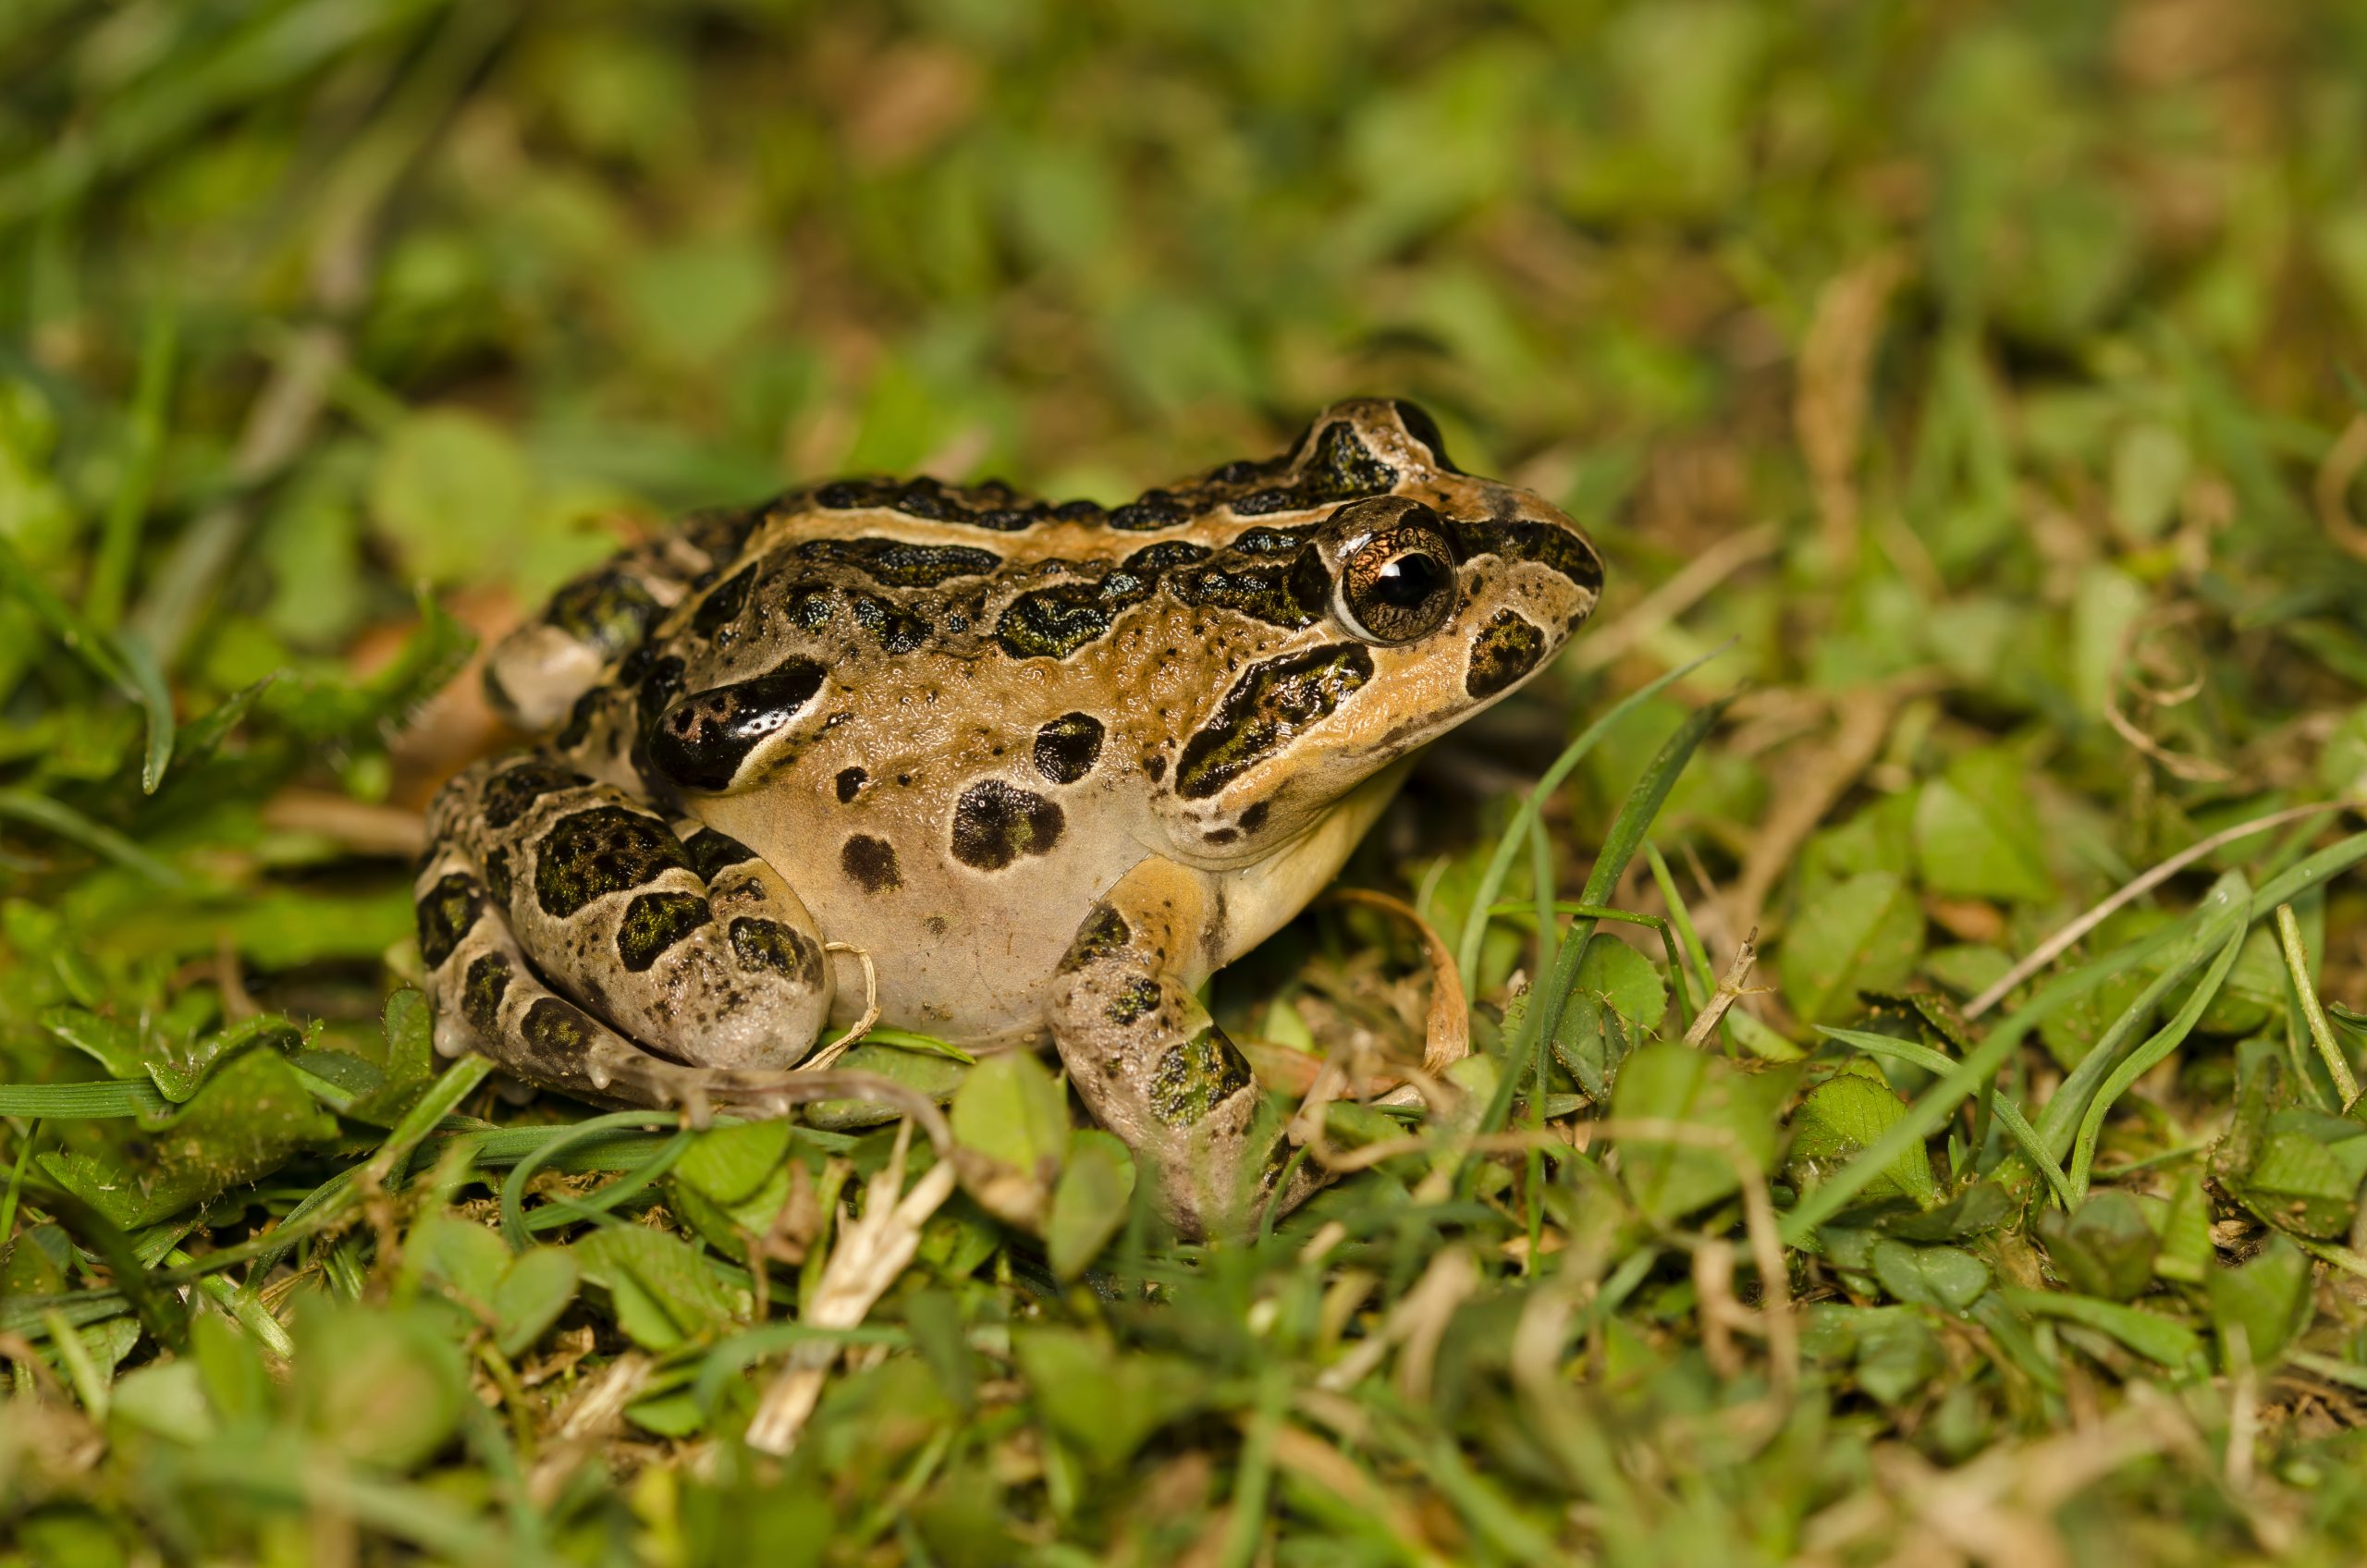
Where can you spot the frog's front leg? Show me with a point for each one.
(548, 896)
(1150, 1062)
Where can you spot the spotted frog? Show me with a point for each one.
(1042, 768)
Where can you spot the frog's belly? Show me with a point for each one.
(962, 954)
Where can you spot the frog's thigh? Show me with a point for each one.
(1147, 1059)
(691, 946)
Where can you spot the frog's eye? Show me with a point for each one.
(1397, 582)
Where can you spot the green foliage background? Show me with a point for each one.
(1982, 372)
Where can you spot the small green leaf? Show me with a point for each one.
(382, 1387)
(1625, 978)
(919, 1069)
(1898, 1357)
(1089, 1202)
(1839, 1118)
(665, 1294)
(1012, 1109)
(1947, 1277)
(1862, 934)
(2186, 1234)
(2268, 1299)
(2149, 1334)
(537, 1288)
(411, 1037)
(1669, 1082)
(729, 1163)
(2297, 1184)
(1100, 1403)
(2106, 1249)
(1977, 835)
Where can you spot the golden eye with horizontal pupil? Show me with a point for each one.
(1397, 582)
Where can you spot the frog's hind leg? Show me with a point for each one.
(688, 946)
(1152, 1066)
(485, 996)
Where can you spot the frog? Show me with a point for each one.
(1000, 771)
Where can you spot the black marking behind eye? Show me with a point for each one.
(447, 914)
(723, 605)
(1502, 650)
(1269, 705)
(870, 863)
(1067, 747)
(511, 793)
(711, 852)
(849, 784)
(611, 610)
(769, 944)
(702, 738)
(653, 923)
(603, 851)
(995, 824)
(1165, 555)
(900, 564)
(559, 1031)
(482, 989)
(1104, 935)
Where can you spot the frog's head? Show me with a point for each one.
(1429, 594)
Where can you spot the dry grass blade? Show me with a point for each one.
(871, 1251)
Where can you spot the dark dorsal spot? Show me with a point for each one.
(482, 989)
(1165, 555)
(448, 911)
(702, 739)
(1549, 544)
(723, 604)
(1196, 1077)
(897, 630)
(611, 610)
(653, 923)
(496, 877)
(1053, 622)
(769, 944)
(1502, 650)
(559, 1032)
(898, 564)
(594, 853)
(849, 784)
(512, 792)
(1156, 768)
(995, 823)
(1222, 835)
(1253, 817)
(1271, 705)
(1104, 935)
(711, 852)
(1342, 468)
(1151, 509)
(870, 863)
(1067, 748)
(1417, 423)
(1135, 1001)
